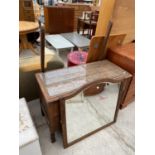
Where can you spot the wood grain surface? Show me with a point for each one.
(58, 19)
(27, 27)
(65, 82)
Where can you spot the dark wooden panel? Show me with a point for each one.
(58, 19)
(79, 8)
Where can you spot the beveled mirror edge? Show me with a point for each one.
(75, 92)
(123, 84)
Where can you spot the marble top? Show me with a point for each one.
(77, 39)
(62, 81)
(27, 131)
(58, 42)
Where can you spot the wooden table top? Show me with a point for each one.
(63, 82)
(27, 27)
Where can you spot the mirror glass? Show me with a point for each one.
(91, 109)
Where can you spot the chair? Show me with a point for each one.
(92, 22)
(89, 22)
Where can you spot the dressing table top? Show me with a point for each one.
(61, 83)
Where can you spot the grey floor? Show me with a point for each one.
(118, 139)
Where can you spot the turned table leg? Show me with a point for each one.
(24, 44)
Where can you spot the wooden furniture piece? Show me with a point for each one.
(58, 19)
(97, 49)
(56, 86)
(116, 40)
(78, 8)
(26, 27)
(124, 56)
(80, 24)
(89, 22)
(26, 10)
(78, 40)
(28, 137)
(58, 42)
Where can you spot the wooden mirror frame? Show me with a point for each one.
(63, 111)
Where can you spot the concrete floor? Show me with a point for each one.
(118, 139)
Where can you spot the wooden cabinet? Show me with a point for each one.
(124, 56)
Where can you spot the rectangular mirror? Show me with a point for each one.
(90, 110)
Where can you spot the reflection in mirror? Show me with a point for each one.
(86, 112)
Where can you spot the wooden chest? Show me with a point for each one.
(124, 56)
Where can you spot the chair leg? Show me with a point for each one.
(53, 137)
(42, 112)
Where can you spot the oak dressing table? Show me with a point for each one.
(57, 86)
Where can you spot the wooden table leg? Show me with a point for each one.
(25, 44)
(42, 112)
(78, 26)
(53, 137)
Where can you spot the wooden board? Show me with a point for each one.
(105, 14)
(96, 48)
(122, 13)
(58, 19)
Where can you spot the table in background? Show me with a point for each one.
(78, 40)
(26, 27)
(58, 42)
